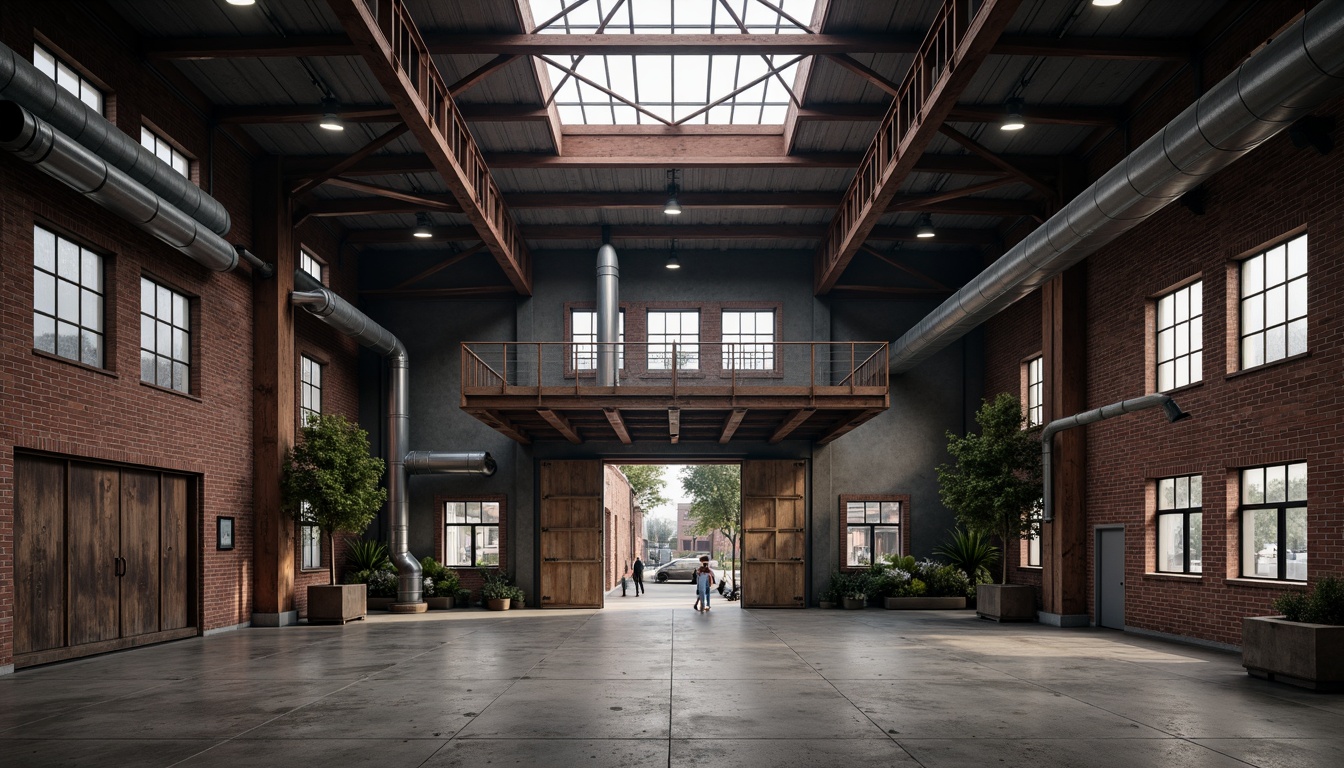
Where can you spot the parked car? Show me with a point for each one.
(682, 569)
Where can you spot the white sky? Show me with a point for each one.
(672, 474)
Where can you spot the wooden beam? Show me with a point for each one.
(336, 169)
(843, 112)
(1033, 114)
(561, 425)
(393, 49)
(731, 424)
(674, 424)
(844, 428)
(956, 47)
(889, 290)
(439, 293)
(988, 155)
(964, 206)
(617, 424)
(791, 423)
(504, 113)
(970, 189)
(479, 74)
(500, 423)
(906, 269)
(945, 236)
(640, 200)
(370, 206)
(1113, 48)
(442, 265)
(301, 113)
(858, 68)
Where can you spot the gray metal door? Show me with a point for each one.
(1111, 578)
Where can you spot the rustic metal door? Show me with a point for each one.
(1111, 578)
(774, 545)
(571, 534)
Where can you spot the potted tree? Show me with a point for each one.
(993, 486)
(330, 480)
(1304, 646)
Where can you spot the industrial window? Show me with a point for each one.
(310, 265)
(67, 299)
(674, 332)
(165, 151)
(471, 533)
(310, 539)
(748, 340)
(66, 77)
(1180, 337)
(583, 335)
(1274, 522)
(310, 382)
(1180, 520)
(165, 337)
(1274, 303)
(1031, 543)
(1035, 391)
(872, 531)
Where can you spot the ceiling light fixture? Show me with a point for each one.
(422, 225)
(241, 2)
(1105, 3)
(1013, 120)
(925, 230)
(331, 121)
(672, 208)
(672, 261)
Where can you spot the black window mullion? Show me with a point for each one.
(1279, 547)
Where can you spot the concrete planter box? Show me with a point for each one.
(1294, 652)
(924, 603)
(498, 605)
(336, 603)
(381, 603)
(853, 603)
(1005, 602)
(439, 603)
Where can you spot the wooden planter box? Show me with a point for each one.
(1005, 602)
(1294, 652)
(852, 603)
(924, 603)
(439, 603)
(381, 603)
(498, 605)
(336, 603)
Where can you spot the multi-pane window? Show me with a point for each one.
(872, 531)
(310, 384)
(679, 328)
(1180, 337)
(310, 265)
(310, 539)
(1180, 519)
(471, 533)
(165, 151)
(1274, 522)
(1274, 303)
(67, 299)
(1035, 391)
(66, 77)
(583, 335)
(1033, 539)
(165, 337)
(748, 340)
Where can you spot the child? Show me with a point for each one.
(624, 576)
(704, 579)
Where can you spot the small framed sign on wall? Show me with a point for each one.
(224, 533)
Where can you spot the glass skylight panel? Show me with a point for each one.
(694, 89)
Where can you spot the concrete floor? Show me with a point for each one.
(649, 682)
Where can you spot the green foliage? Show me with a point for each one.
(382, 582)
(716, 500)
(462, 597)
(498, 586)
(852, 585)
(910, 578)
(647, 481)
(659, 530)
(439, 581)
(1323, 604)
(972, 552)
(366, 555)
(995, 480)
(330, 480)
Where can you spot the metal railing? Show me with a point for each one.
(521, 367)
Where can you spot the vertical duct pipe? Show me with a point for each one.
(608, 315)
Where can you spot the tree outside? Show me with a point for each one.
(647, 481)
(716, 501)
(659, 531)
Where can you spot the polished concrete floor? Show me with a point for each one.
(649, 682)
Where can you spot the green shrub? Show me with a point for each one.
(1322, 604)
(439, 581)
(972, 553)
(365, 555)
(382, 583)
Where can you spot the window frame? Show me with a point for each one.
(1281, 507)
(571, 356)
(650, 343)
(726, 362)
(102, 292)
(1237, 290)
(174, 150)
(190, 306)
(60, 59)
(306, 363)
(1035, 414)
(305, 529)
(441, 533)
(305, 255)
(1193, 320)
(1185, 513)
(903, 534)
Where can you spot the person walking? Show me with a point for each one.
(625, 577)
(637, 570)
(704, 579)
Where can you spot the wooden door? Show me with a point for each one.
(174, 554)
(39, 554)
(571, 534)
(774, 551)
(139, 552)
(93, 502)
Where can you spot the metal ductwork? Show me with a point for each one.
(1294, 74)
(608, 315)
(36, 142)
(1174, 414)
(344, 317)
(25, 84)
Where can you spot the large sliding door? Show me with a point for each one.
(571, 534)
(774, 537)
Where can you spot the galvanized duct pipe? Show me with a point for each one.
(36, 142)
(21, 82)
(1293, 75)
(608, 315)
(441, 463)
(1174, 414)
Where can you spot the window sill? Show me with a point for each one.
(1030, 568)
(681, 374)
(76, 363)
(313, 570)
(1192, 578)
(1182, 388)
(1297, 586)
(1263, 366)
(166, 390)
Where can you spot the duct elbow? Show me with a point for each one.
(442, 463)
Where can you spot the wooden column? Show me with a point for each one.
(1064, 542)
(273, 400)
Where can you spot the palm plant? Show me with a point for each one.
(972, 552)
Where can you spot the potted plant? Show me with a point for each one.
(330, 480)
(441, 584)
(923, 585)
(1304, 646)
(993, 486)
(367, 563)
(496, 592)
(973, 554)
(830, 596)
(462, 598)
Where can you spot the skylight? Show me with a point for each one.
(691, 89)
